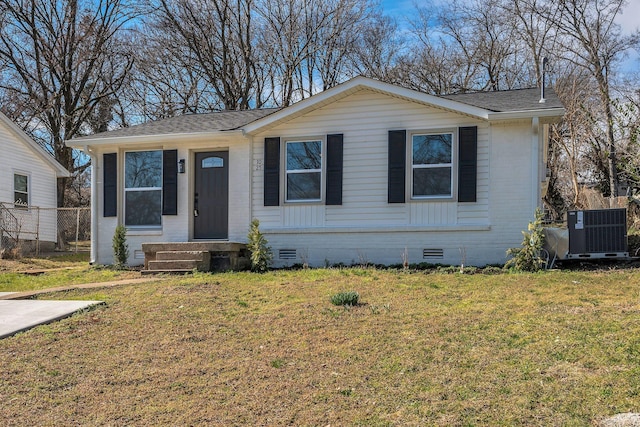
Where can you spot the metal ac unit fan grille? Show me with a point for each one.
(606, 231)
(598, 232)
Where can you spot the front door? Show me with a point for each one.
(211, 196)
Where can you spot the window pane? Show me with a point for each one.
(143, 169)
(143, 207)
(20, 183)
(20, 199)
(432, 182)
(303, 186)
(304, 155)
(432, 149)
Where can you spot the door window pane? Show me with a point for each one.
(212, 162)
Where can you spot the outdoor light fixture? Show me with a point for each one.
(181, 166)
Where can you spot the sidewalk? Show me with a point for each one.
(18, 312)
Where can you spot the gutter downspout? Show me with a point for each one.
(94, 203)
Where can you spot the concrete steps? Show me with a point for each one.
(180, 261)
(186, 257)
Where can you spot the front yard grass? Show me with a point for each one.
(556, 348)
(62, 270)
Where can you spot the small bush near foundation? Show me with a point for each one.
(120, 247)
(261, 255)
(529, 256)
(345, 298)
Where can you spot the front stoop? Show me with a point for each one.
(185, 257)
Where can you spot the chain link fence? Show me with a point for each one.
(35, 230)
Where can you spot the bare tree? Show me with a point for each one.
(464, 46)
(378, 50)
(215, 38)
(164, 82)
(591, 39)
(63, 62)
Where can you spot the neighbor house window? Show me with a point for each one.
(143, 188)
(20, 191)
(432, 165)
(304, 170)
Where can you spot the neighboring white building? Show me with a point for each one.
(28, 175)
(365, 171)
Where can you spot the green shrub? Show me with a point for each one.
(350, 298)
(120, 247)
(261, 255)
(529, 256)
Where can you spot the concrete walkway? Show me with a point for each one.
(19, 313)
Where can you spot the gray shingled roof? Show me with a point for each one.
(188, 123)
(509, 100)
(497, 101)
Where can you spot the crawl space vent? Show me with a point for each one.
(287, 254)
(432, 253)
(137, 254)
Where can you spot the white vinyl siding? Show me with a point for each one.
(19, 159)
(365, 118)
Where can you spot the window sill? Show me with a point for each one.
(432, 199)
(144, 232)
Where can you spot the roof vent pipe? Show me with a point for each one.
(543, 72)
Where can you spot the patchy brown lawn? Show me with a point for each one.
(559, 348)
(25, 274)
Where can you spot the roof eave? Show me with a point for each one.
(80, 143)
(556, 112)
(61, 171)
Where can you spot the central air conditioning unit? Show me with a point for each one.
(597, 234)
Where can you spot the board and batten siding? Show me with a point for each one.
(19, 158)
(366, 223)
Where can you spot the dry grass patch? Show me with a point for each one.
(61, 270)
(558, 348)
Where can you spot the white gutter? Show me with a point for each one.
(151, 139)
(94, 203)
(526, 114)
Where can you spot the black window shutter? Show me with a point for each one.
(272, 171)
(110, 179)
(467, 163)
(334, 169)
(170, 182)
(397, 165)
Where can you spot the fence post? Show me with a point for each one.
(77, 227)
(38, 230)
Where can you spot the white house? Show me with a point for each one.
(28, 175)
(365, 171)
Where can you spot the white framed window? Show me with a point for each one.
(143, 189)
(303, 172)
(432, 165)
(21, 190)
